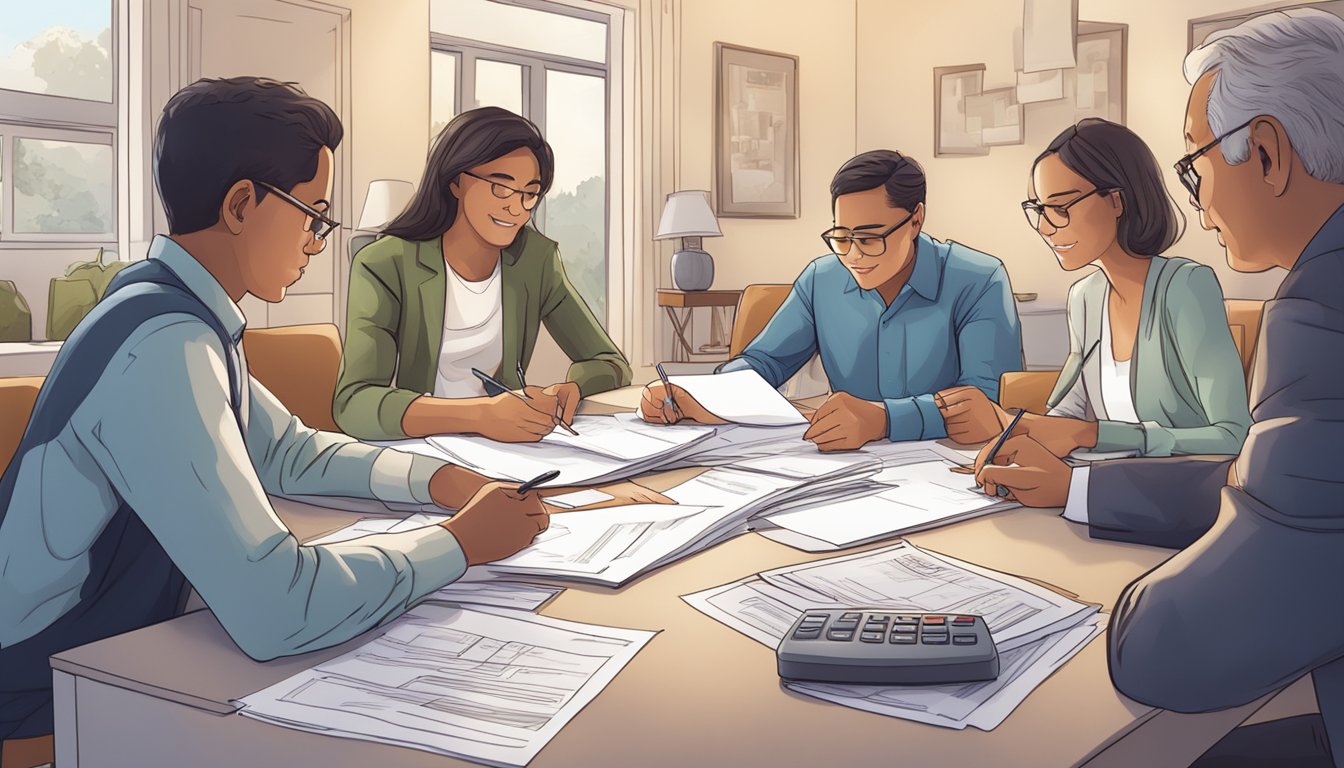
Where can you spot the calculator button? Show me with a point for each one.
(935, 630)
(963, 620)
(870, 627)
(851, 616)
(806, 634)
(903, 639)
(935, 620)
(963, 639)
(838, 634)
(907, 619)
(816, 617)
(877, 618)
(809, 624)
(904, 629)
(871, 637)
(934, 639)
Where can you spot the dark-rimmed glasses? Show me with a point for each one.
(1057, 215)
(840, 239)
(319, 223)
(504, 192)
(1185, 167)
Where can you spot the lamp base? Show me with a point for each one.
(692, 270)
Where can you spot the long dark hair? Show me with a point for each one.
(472, 138)
(1110, 155)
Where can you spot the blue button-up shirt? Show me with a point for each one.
(953, 323)
(157, 430)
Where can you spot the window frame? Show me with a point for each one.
(535, 66)
(42, 116)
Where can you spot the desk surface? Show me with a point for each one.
(699, 692)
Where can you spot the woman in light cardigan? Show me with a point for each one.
(1152, 368)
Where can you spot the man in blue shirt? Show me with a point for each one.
(895, 315)
(146, 466)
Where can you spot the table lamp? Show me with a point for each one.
(385, 200)
(687, 215)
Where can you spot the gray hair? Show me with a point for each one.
(1288, 65)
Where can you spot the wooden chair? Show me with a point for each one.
(18, 394)
(299, 365)
(1030, 389)
(754, 310)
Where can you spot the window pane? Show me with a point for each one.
(576, 128)
(499, 84)
(60, 47)
(517, 27)
(442, 91)
(62, 187)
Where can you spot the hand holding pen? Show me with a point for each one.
(552, 418)
(994, 450)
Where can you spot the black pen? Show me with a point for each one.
(490, 380)
(667, 391)
(1002, 438)
(544, 477)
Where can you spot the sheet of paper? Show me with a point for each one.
(582, 498)
(485, 685)
(626, 439)
(742, 397)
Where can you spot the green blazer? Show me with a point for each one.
(1185, 377)
(394, 328)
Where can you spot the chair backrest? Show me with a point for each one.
(1243, 318)
(299, 365)
(17, 396)
(754, 310)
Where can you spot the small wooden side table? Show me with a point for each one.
(680, 307)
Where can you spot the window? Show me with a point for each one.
(547, 63)
(58, 123)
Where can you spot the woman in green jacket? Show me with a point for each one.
(461, 281)
(1152, 369)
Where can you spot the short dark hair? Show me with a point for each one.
(215, 133)
(473, 138)
(902, 177)
(1110, 155)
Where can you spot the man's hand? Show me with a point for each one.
(654, 409)
(845, 422)
(560, 400)
(497, 522)
(1038, 479)
(511, 419)
(970, 416)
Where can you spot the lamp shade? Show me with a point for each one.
(687, 214)
(386, 199)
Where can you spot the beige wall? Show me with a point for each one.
(975, 200)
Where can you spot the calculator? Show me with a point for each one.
(882, 647)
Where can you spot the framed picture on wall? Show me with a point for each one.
(755, 133)
(1099, 78)
(952, 87)
(1200, 29)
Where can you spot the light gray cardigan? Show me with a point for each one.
(1185, 376)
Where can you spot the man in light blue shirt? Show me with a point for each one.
(895, 315)
(147, 463)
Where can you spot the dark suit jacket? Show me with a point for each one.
(1254, 601)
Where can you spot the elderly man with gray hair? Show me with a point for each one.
(1252, 603)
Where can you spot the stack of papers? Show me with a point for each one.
(1035, 628)
(741, 397)
(486, 685)
(916, 490)
(606, 449)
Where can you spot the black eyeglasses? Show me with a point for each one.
(319, 223)
(504, 192)
(1185, 167)
(840, 239)
(1057, 215)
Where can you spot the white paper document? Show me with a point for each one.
(1035, 629)
(742, 397)
(490, 686)
(607, 449)
(583, 498)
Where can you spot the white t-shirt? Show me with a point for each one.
(1116, 395)
(473, 334)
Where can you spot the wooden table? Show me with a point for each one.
(680, 307)
(698, 694)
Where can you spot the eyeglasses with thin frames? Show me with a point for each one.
(1057, 215)
(504, 192)
(319, 223)
(873, 244)
(1185, 167)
